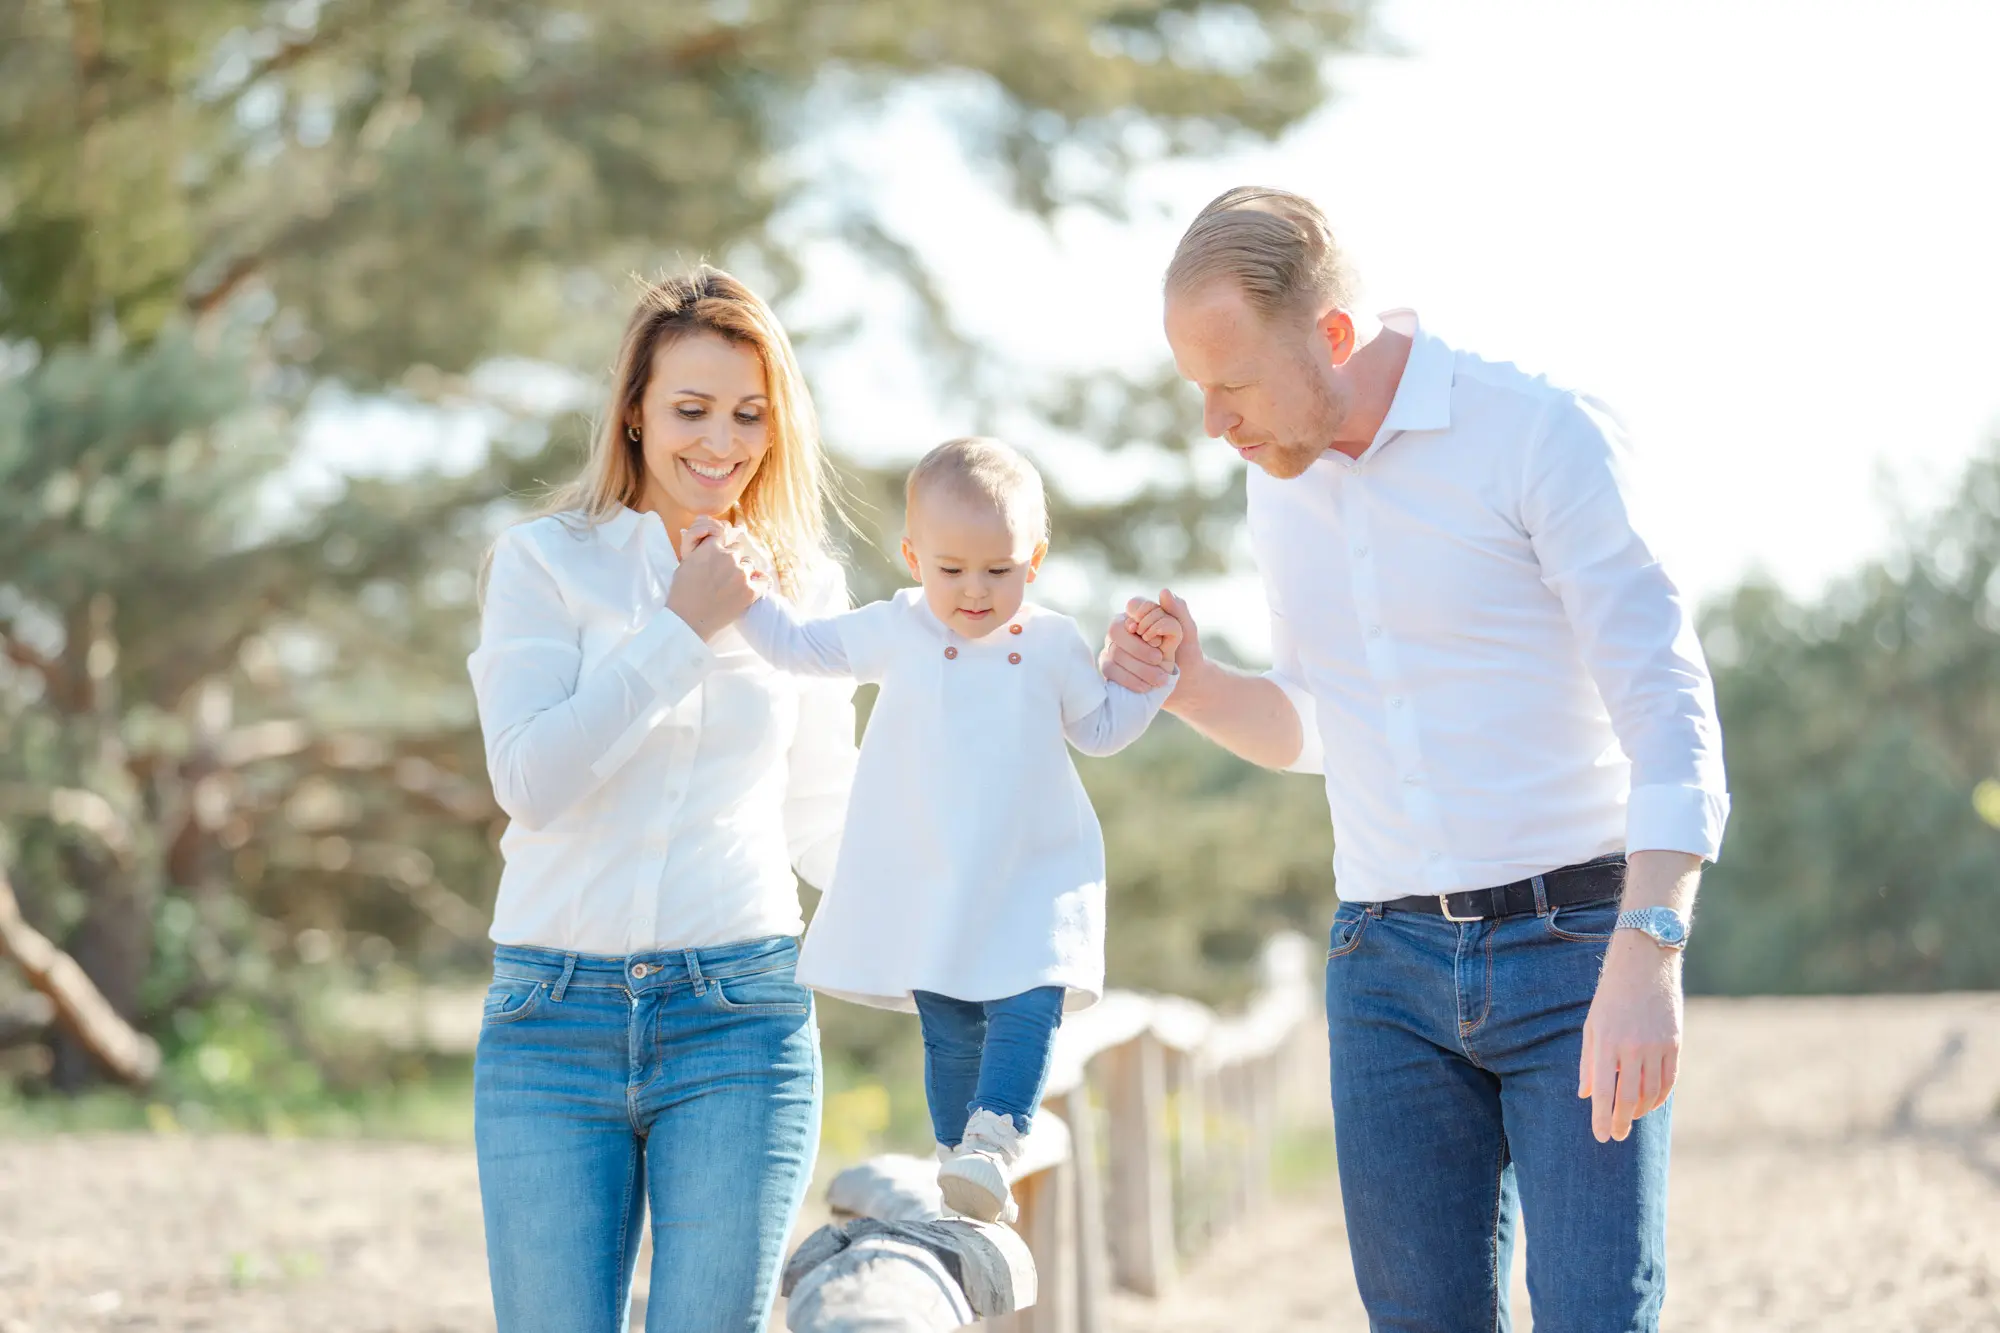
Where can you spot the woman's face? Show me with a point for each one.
(704, 428)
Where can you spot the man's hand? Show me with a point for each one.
(1155, 625)
(1129, 660)
(1632, 1038)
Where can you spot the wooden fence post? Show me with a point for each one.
(1048, 1222)
(1141, 1214)
(1093, 1268)
(1193, 1185)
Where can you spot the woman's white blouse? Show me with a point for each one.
(661, 789)
(972, 863)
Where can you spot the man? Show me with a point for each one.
(1475, 643)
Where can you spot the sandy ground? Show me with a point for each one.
(1837, 1168)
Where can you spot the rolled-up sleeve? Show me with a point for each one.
(554, 734)
(1633, 626)
(822, 759)
(1286, 674)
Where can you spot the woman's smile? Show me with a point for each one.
(711, 474)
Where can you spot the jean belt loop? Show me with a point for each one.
(562, 982)
(1541, 895)
(694, 971)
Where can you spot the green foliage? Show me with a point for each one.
(430, 182)
(235, 733)
(1207, 856)
(1863, 852)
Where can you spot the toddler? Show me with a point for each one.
(970, 882)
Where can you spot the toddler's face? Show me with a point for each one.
(974, 568)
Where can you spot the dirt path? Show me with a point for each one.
(1837, 1168)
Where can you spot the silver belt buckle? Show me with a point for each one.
(1444, 905)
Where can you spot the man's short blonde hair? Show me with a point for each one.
(981, 469)
(1273, 246)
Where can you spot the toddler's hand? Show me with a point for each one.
(746, 550)
(1155, 624)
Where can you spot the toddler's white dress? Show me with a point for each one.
(972, 864)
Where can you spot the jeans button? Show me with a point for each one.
(640, 969)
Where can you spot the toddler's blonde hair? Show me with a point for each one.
(979, 468)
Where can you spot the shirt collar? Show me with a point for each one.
(624, 523)
(1423, 395)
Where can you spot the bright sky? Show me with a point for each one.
(1767, 233)
(1764, 231)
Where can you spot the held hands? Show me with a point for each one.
(723, 570)
(1156, 627)
(1144, 664)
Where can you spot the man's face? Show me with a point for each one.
(1269, 386)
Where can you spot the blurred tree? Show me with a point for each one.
(235, 704)
(1863, 742)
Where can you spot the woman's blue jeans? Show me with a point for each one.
(685, 1083)
(1455, 1068)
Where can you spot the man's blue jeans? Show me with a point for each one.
(684, 1082)
(991, 1054)
(1455, 1068)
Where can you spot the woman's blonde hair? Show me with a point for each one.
(785, 506)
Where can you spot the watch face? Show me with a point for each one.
(1672, 929)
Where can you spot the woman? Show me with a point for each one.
(644, 1042)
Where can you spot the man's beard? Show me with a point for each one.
(1286, 459)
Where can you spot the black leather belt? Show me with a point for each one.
(1591, 882)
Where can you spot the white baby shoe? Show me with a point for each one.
(973, 1179)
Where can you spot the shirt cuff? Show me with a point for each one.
(670, 656)
(1676, 819)
(1312, 750)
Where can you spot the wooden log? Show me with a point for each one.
(872, 1276)
(894, 1187)
(82, 1010)
(1141, 1218)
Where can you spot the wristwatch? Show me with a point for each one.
(1666, 927)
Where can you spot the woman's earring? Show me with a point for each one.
(632, 434)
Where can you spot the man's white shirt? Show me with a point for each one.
(1490, 665)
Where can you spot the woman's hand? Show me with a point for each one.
(714, 584)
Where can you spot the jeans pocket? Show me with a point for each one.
(1584, 923)
(1349, 924)
(772, 992)
(510, 999)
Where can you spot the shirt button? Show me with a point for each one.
(1015, 658)
(1411, 780)
(1432, 854)
(1396, 701)
(1374, 631)
(950, 653)
(1013, 629)
(1361, 551)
